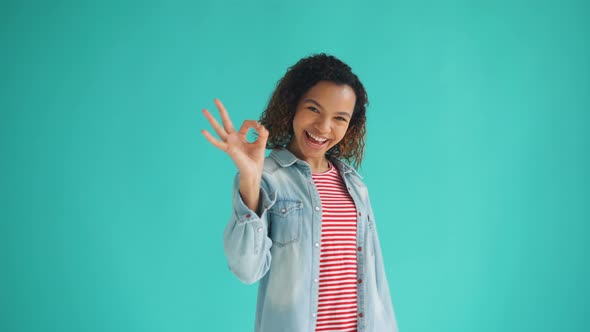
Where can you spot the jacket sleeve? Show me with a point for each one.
(380, 275)
(245, 239)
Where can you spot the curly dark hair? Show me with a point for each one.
(278, 116)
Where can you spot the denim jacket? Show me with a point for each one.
(281, 248)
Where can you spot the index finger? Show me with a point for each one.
(227, 124)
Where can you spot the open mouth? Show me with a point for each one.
(315, 141)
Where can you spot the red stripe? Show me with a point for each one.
(337, 299)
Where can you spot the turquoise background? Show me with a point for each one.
(113, 204)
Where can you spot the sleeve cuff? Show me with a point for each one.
(243, 214)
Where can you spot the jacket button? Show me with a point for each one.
(360, 281)
(361, 315)
(360, 248)
(360, 213)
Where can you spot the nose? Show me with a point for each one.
(322, 125)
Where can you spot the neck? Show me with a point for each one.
(317, 165)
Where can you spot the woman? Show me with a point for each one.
(302, 223)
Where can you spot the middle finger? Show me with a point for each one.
(229, 127)
(216, 126)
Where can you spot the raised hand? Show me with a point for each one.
(248, 157)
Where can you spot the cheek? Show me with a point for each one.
(344, 130)
(298, 121)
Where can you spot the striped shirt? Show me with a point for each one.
(337, 303)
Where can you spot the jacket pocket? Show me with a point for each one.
(285, 225)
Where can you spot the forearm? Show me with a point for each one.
(250, 192)
(246, 241)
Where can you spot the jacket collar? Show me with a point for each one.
(286, 158)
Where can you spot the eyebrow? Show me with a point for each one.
(309, 100)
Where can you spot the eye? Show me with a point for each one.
(341, 118)
(313, 109)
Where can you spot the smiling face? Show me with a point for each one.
(321, 120)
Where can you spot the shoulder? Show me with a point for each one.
(270, 165)
(352, 178)
(277, 173)
(279, 159)
(346, 170)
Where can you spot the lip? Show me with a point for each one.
(313, 144)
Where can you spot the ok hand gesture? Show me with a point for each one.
(248, 157)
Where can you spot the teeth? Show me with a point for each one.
(319, 139)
